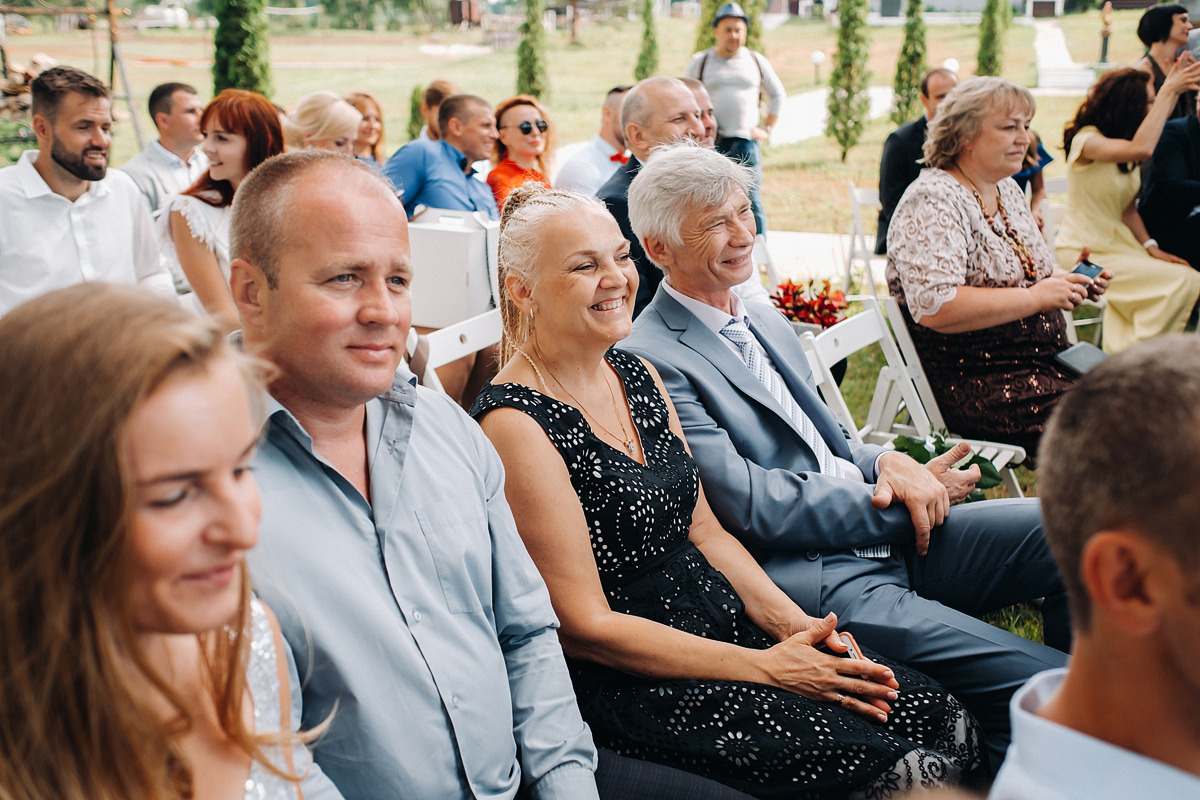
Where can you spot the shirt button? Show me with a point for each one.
(416, 616)
(454, 701)
(812, 555)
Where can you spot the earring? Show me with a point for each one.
(531, 315)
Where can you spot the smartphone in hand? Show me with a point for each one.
(1087, 268)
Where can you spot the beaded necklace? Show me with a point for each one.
(1007, 233)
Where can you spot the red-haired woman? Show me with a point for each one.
(524, 147)
(241, 130)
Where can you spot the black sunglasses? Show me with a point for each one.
(526, 127)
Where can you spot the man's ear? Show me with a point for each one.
(157, 123)
(659, 251)
(248, 285)
(635, 137)
(1121, 571)
(42, 127)
(454, 128)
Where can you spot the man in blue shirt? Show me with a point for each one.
(438, 174)
(419, 625)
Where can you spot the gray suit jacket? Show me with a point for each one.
(759, 475)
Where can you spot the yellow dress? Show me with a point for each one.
(1147, 296)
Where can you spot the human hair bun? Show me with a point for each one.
(519, 197)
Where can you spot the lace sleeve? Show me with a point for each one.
(928, 240)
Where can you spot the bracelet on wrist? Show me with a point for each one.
(1150, 243)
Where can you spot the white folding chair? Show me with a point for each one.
(899, 389)
(763, 263)
(861, 248)
(453, 342)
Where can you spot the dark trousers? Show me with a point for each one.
(621, 778)
(746, 151)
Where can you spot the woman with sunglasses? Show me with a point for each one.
(525, 147)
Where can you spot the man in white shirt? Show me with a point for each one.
(737, 78)
(1120, 509)
(172, 163)
(596, 161)
(65, 218)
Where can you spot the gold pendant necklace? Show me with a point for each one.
(1008, 233)
(627, 440)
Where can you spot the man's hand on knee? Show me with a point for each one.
(903, 479)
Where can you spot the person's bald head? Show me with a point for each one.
(658, 111)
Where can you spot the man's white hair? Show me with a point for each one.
(677, 180)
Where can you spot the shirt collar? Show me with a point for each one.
(455, 154)
(34, 185)
(172, 159)
(712, 318)
(604, 147)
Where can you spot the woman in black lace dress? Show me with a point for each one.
(682, 650)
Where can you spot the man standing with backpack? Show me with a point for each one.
(736, 79)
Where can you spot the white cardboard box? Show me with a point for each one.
(454, 266)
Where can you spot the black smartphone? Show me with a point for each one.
(1087, 268)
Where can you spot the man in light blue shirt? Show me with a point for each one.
(439, 174)
(1117, 482)
(172, 162)
(419, 625)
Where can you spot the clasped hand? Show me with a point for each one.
(928, 491)
(862, 687)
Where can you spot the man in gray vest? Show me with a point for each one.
(172, 163)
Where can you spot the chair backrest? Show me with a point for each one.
(761, 257)
(892, 389)
(455, 341)
(913, 369)
(860, 199)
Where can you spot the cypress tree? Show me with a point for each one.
(240, 59)
(531, 53)
(907, 85)
(849, 103)
(647, 60)
(990, 34)
(415, 120)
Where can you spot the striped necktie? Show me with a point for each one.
(737, 332)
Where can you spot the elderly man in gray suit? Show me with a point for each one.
(855, 529)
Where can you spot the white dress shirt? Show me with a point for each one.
(1047, 761)
(589, 168)
(48, 242)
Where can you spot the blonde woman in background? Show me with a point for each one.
(324, 121)
(370, 138)
(135, 662)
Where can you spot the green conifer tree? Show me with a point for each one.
(849, 102)
(907, 85)
(647, 60)
(990, 39)
(415, 120)
(240, 59)
(531, 53)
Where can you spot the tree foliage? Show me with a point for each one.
(849, 103)
(647, 60)
(240, 58)
(708, 13)
(415, 120)
(990, 38)
(907, 85)
(531, 53)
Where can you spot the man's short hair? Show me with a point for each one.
(676, 180)
(622, 89)
(692, 83)
(1155, 25)
(635, 108)
(1120, 452)
(49, 89)
(460, 107)
(438, 91)
(263, 209)
(162, 98)
(929, 73)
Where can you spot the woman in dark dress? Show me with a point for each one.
(682, 650)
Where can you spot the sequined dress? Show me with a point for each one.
(262, 678)
(998, 383)
(761, 740)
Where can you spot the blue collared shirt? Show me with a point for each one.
(434, 174)
(419, 616)
(1048, 761)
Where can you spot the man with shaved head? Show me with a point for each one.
(596, 161)
(655, 111)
